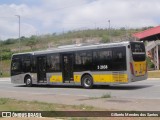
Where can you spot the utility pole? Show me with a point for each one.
(19, 33)
(109, 30)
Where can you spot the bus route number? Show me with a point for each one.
(102, 67)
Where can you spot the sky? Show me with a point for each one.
(39, 17)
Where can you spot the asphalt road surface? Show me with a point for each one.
(143, 95)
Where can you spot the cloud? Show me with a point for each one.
(48, 16)
(121, 13)
(9, 22)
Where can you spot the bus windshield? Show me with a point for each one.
(138, 51)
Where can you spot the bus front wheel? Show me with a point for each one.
(87, 81)
(28, 81)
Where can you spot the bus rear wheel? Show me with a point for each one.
(87, 81)
(28, 81)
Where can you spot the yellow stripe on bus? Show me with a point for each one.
(108, 78)
(77, 78)
(56, 78)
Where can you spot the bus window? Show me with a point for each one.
(83, 60)
(113, 59)
(102, 60)
(16, 66)
(27, 64)
(138, 51)
(53, 62)
(119, 59)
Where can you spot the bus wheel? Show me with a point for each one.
(28, 81)
(87, 81)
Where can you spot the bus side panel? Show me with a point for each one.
(34, 78)
(113, 77)
(54, 77)
(103, 77)
(77, 78)
(18, 79)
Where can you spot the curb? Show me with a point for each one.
(153, 79)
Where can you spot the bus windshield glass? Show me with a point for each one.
(138, 51)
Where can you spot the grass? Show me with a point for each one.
(106, 95)
(5, 68)
(7, 104)
(3, 101)
(84, 107)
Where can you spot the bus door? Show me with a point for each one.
(41, 69)
(67, 67)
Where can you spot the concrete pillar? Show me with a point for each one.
(156, 58)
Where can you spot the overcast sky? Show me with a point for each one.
(50, 16)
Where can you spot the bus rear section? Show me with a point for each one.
(138, 63)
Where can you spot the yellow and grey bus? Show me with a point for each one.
(86, 65)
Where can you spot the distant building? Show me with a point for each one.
(152, 38)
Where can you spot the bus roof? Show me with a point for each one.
(76, 47)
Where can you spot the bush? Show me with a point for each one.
(6, 55)
(150, 64)
(9, 41)
(105, 39)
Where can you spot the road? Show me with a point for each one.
(143, 95)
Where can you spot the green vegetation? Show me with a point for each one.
(5, 68)
(150, 64)
(106, 95)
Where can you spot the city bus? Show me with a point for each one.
(85, 65)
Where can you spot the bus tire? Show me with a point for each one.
(87, 81)
(28, 81)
